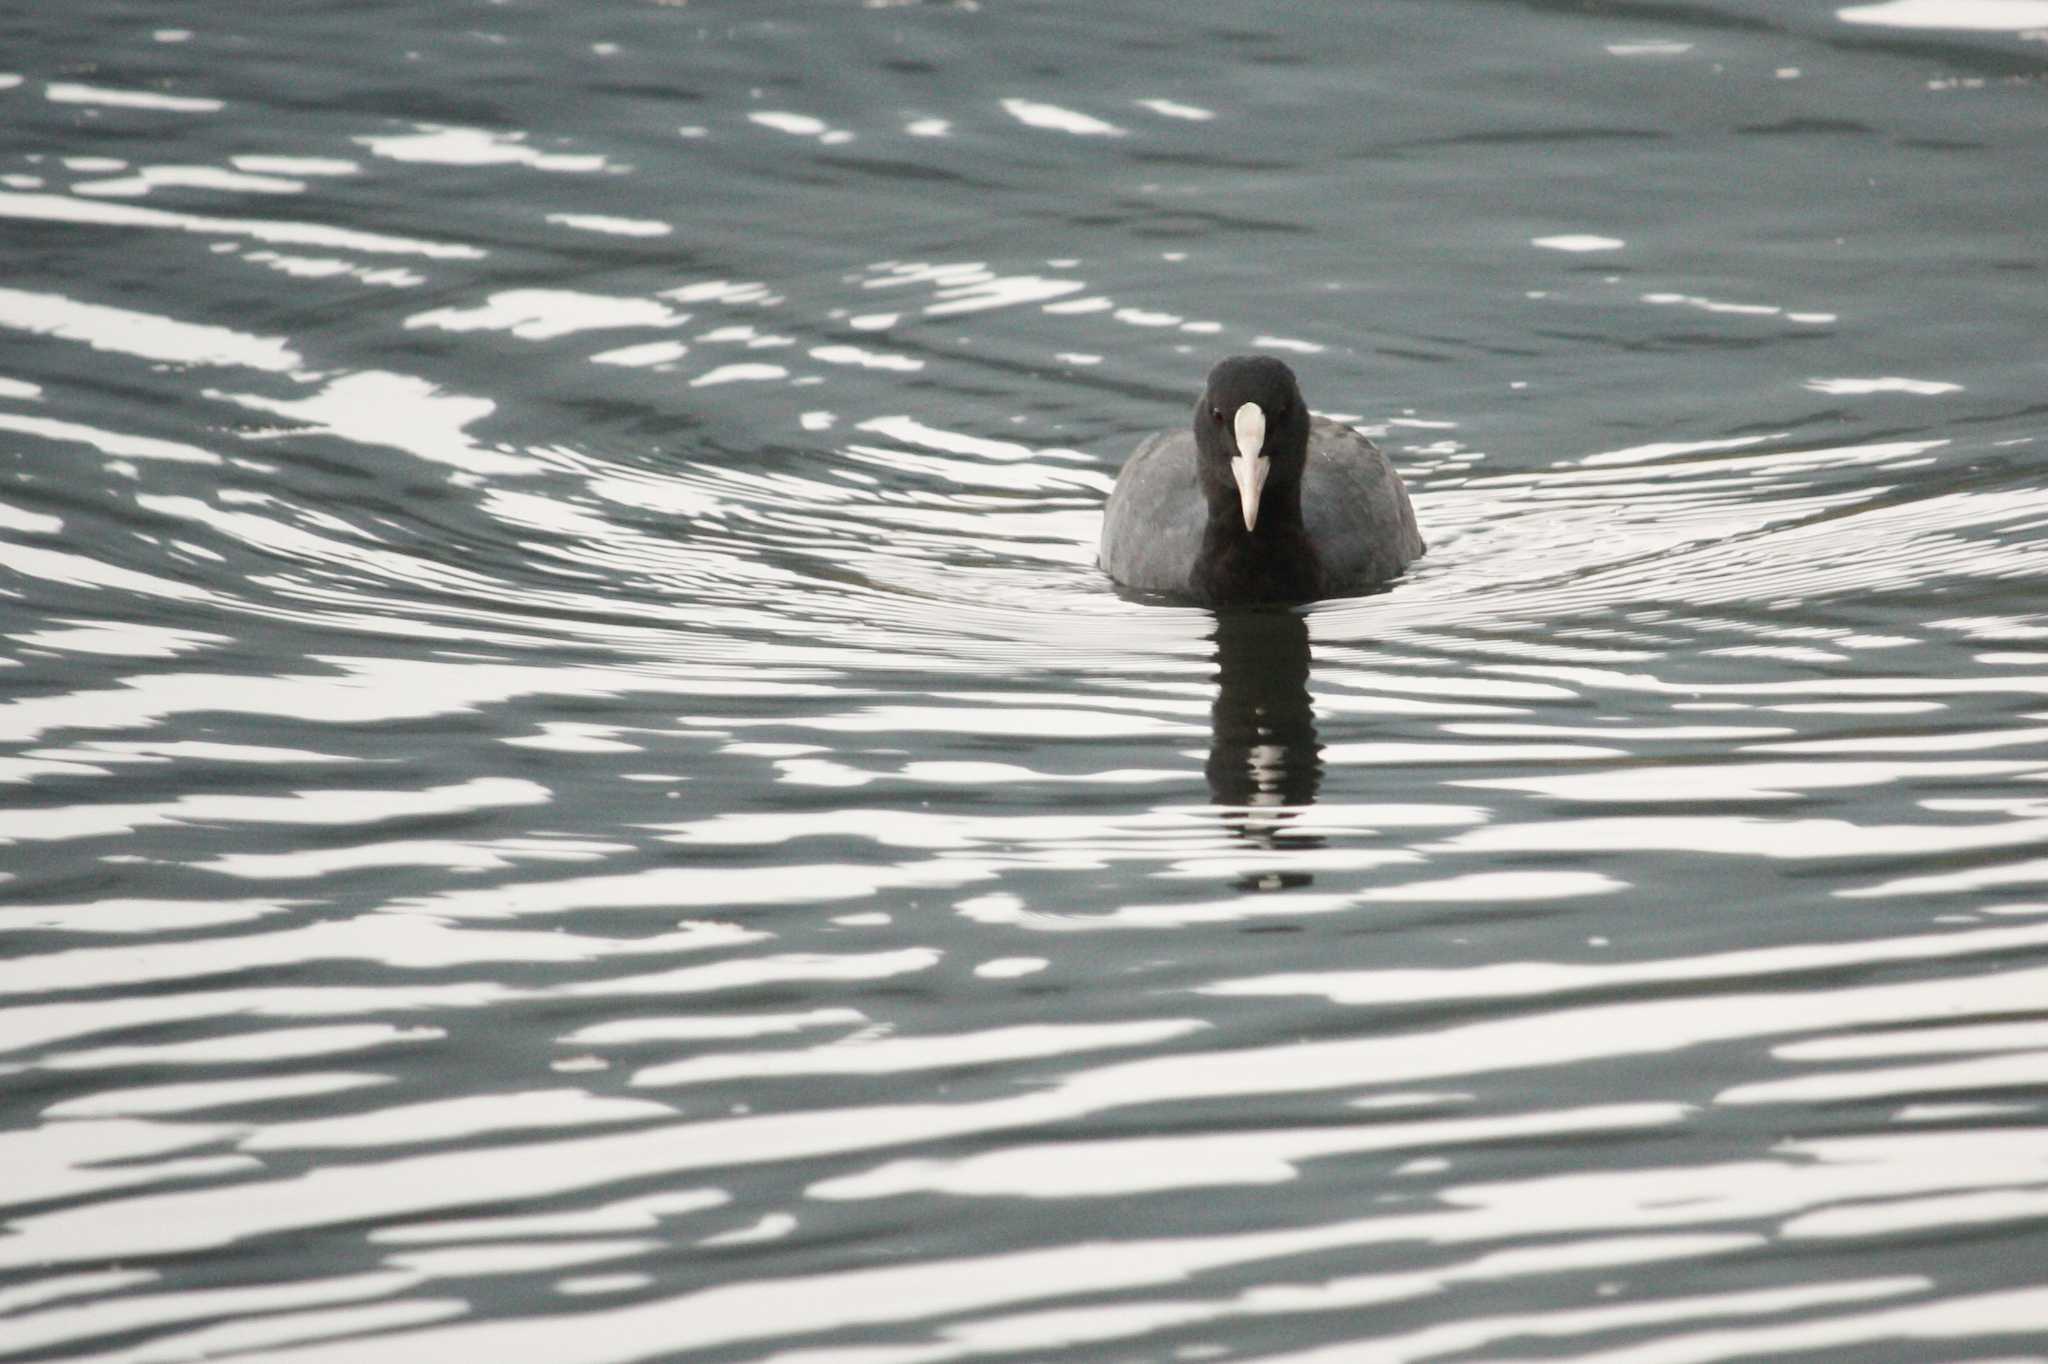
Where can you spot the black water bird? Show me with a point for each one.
(1260, 502)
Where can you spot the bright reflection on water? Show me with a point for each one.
(574, 792)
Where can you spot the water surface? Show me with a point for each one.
(573, 791)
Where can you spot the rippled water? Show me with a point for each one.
(573, 792)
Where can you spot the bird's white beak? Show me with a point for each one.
(1248, 466)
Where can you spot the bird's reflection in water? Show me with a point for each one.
(1265, 763)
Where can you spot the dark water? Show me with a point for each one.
(573, 794)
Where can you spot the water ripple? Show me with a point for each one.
(573, 788)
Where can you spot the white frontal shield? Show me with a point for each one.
(1249, 467)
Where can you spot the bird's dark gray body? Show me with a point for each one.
(1353, 506)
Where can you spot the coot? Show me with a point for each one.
(1260, 502)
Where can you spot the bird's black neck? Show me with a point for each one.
(1275, 563)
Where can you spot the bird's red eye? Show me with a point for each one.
(1217, 413)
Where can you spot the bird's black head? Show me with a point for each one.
(1251, 429)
